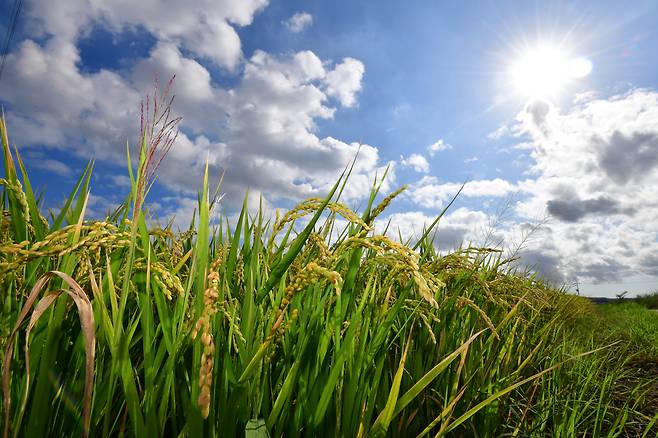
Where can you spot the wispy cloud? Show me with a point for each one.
(53, 166)
(298, 22)
(417, 162)
(438, 146)
(430, 193)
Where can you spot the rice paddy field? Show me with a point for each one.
(297, 325)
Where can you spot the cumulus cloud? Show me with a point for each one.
(100, 206)
(438, 146)
(630, 157)
(53, 166)
(590, 175)
(594, 170)
(457, 228)
(270, 130)
(344, 81)
(261, 130)
(649, 264)
(203, 27)
(538, 111)
(463, 227)
(52, 103)
(547, 264)
(604, 269)
(417, 162)
(574, 209)
(298, 22)
(120, 181)
(430, 193)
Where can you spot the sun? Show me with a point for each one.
(544, 71)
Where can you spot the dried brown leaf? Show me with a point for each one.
(86, 316)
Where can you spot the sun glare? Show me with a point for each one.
(544, 72)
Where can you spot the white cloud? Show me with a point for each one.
(298, 22)
(180, 211)
(595, 169)
(53, 166)
(203, 27)
(470, 160)
(417, 162)
(270, 130)
(499, 133)
(344, 81)
(119, 180)
(54, 104)
(196, 98)
(99, 206)
(438, 146)
(458, 227)
(430, 193)
(261, 131)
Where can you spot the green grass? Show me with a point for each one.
(265, 328)
(649, 300)
(588, 391)
(632, 323)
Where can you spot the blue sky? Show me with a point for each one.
(560, 170)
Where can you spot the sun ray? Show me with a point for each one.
(544, 71)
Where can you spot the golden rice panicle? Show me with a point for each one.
(347, 213)
(385, 203)
(324, 253)
(308, 275)
(239, 272)
(17, 189)
(298, 211)
(311, 205)
(463, 302)
(332, 276)
(203, 326)
(5, 224)
(281, 330)
(167, 281)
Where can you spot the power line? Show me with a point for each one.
(15, 12)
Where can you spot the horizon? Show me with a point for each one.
(547, 112)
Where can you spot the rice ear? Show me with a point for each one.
(86, 316)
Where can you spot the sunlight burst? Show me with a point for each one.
(543, 72)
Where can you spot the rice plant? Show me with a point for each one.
(265, 327)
